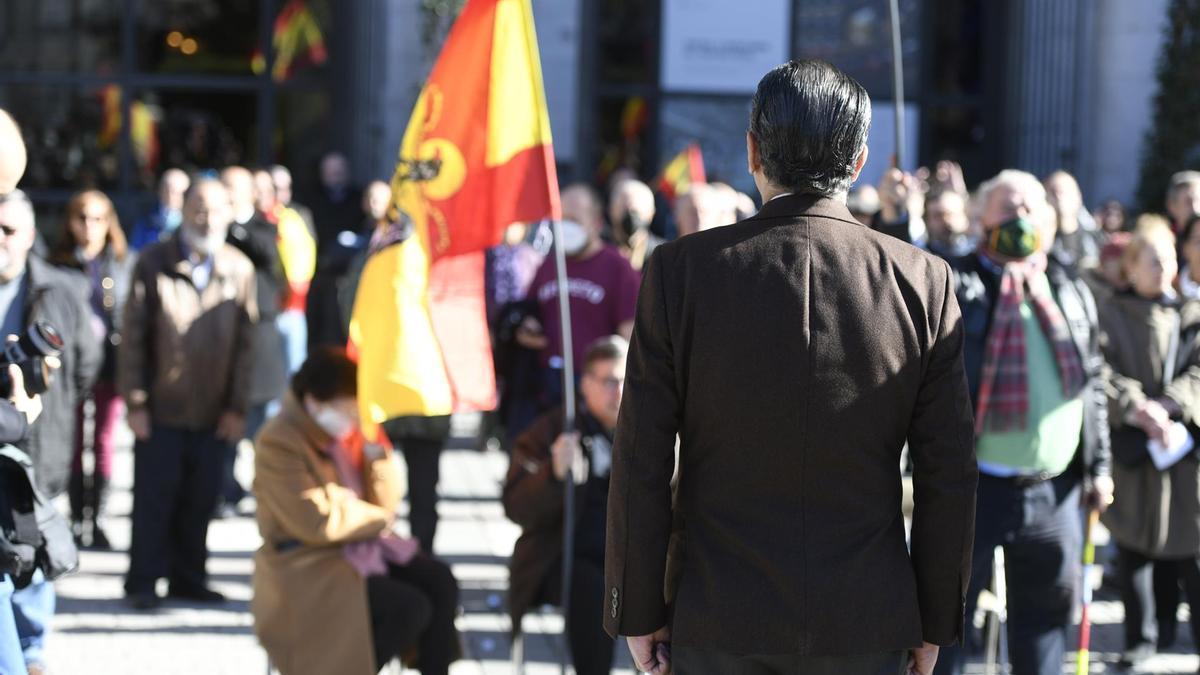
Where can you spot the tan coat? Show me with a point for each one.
(1156, 513)
(184, 353)
(310, 606)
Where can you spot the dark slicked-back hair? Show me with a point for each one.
(810, 121)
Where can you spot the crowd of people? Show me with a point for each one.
(220, 321)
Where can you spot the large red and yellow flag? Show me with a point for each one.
(476, 157)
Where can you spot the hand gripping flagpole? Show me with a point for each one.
(568, 357)
(897, 83)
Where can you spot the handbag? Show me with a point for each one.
(33, 534)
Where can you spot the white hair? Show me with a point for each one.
(1022, 181)
(24, 208)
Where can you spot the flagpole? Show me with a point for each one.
(897, 83)
(568, 357)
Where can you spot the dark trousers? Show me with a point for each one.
(414, 606)
(1137, 575)
(591, 647)
(423, 457)
(176, 476)
(1040, 528)
(690, 661)
(1166, 600)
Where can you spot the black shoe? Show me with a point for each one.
(99, 539)
(143, 601)
(196, 594)
(1135, 657)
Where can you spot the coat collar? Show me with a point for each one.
(806, 206)
(223, 263)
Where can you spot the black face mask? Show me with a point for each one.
(632, 223)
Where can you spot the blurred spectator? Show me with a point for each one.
(1109, 277)
(631, 209)
(91, 241)
(297, 246)
(31, 290)
(282, 178)
(510, 269)
(533, 499)
(1154, 385)
(331, 295)
(1042, 438)
(337, 211)
(256, 237)
(1110, 217)
(863, 203)
(602, 289)
(1189, 249)
(335, 205)
(947, 225)
(745, 206)
(184, 371)
(901, 206)
(698, 209)
(1183, 198)
(726, 203)
(335, 590)
(1077, 242)
(162, 221)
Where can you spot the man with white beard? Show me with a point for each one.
(183, 367)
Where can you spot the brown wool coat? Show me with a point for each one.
(310, 606)
(1156, 513)
(794, 353)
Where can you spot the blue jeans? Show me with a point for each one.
(1040, 528)
(12, 660)
(293, 326)
(33, 611)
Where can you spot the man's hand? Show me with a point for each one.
(922, 660)
(1154, 419)
(231, 426)
(652, 653)
(1100, 496)
(566, 452)
(21, 400)
(900, 194)
(139, 422)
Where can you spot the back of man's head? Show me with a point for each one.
(810, 122)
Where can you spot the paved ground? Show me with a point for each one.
(96, 635)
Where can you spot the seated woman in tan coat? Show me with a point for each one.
(335, 590)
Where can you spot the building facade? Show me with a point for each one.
(110, 92)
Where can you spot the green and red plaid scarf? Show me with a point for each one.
(1003, 402)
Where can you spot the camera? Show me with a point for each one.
(29, 352)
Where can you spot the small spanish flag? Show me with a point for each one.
(476, 157)
(297, 40)
(682, 172)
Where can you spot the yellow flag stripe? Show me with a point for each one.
(517, 115)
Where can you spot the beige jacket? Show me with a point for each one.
(185, 354)
(310, 606)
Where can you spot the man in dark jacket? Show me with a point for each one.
(794, 354)
(1034, 366)
(32, 290)
(533, 499)
(257, 238)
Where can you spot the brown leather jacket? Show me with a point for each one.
(185, 354)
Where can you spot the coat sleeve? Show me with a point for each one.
(1185, 388)
(639, 497)
(1096, 433)
(533, 495)
(89, 352)
(133, 356)
(941, 442)
(313, 512)
(244, 345)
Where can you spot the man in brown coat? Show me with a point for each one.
(794, 354)
(184, 360)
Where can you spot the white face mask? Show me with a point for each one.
(575, 237)
(333, 421)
